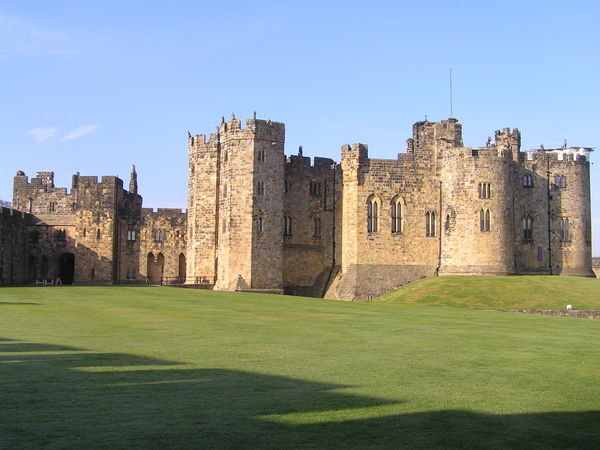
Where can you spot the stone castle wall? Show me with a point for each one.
(257, 220)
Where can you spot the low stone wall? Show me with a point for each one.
(577, 313)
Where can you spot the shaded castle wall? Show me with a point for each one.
(549, 251)
(14, 246)
(311, 201)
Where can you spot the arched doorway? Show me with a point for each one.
(181, 268)
(156, 266)
(66, 268)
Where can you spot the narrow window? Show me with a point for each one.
(259, 224)
(484, 220)
(159, 236)
(260, 188)
(396, 213)
(317, 228)
(93, 274)
(565, 235)
(84, 232)
(287, 225)
(315, 189)
(539, 253)
(52, 206)
(131, 235)
(484, 190)
(560, 181)
(528, 181)
(74, 207)
(98, 235)
(286, 186)
(527, 229)
(372, 215)
(430, 225)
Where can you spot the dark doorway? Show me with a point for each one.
(155, 268)
(66, 268)
(181, 268)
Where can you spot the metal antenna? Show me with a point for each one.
(450, 92)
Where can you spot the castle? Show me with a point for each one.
(260, 221)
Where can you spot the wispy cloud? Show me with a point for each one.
(79, 132)
(43, 133)
(20, 37)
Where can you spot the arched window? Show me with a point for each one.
(484, 220)
(372, 214)
(430, 223)
(560, 181)
(527, 228)
(259, 224)
(397, 215)
(527, 181)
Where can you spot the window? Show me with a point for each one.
(52, 206)
(98, 235)
(61, 235)
(159, 236)
(372, 215)
(528, 181)
(93, 274)
(74, 207)
(396, 213)
(560, 181)
(261, 155)
(565, 235)
(527, 229)
(430, 226)
(484, 190)
(287, 225)
(259, 224)
(260, 188)
(315, 189)
(317, 228)
(84, 232)
(484, 220)
(131, 235)
(540, 254)
(286, 186)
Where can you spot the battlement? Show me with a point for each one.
(164, 212)
(15, 216)
(305, 161)
(572, 154)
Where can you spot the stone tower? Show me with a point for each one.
(235, 206)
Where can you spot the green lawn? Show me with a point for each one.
(118, 367)
(517, 292)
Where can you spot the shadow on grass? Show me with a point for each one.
(87, 399)
(18, 303)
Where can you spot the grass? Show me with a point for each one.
(519, 292)
(119, 367)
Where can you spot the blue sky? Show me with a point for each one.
(97, 86)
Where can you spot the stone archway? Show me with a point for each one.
(66, 268)
(155, 268)
(181, 273)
